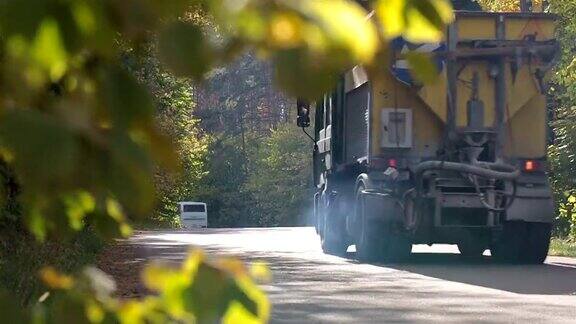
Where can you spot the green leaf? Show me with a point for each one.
(45, 151)
(415, 20)
(126, 101)
(299, 75)
(184, 50)
(422, 67)
(11, 311)
(19, 17)
(128, 175)
(345, 28)
(48, 49)
(78, 205)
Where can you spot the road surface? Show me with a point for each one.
(436, 286)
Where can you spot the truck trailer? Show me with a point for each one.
(458, 161)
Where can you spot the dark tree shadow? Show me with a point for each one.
(547, 279)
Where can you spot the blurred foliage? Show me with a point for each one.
(511, 5)
(81, 144)
(281, 186)
(200, 291)
(174, 116)
(563, 99)
(238, 107)
(91, 123)
(230, 204)
(21, 257)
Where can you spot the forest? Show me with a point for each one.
(130, 107)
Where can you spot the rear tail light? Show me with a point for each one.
(385, 163)
(533, 166)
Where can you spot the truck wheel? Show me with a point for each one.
(332, 237)
(396, 246)
(368, 245)
(471, 250)
(318, 222)
(379, 241)
(523, 242)
(537, 243)
(510, 244)
(471, 246)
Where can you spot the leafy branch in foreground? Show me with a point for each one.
(77, 130)
(90, 144)
(200, 291)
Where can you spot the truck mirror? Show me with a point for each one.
(303, 108)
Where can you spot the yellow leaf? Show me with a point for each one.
(156, 276)
(415, 20)
(48, 49)
(54, 279)
(260, 271)
(421, 27)
(347, 27)
(233, 266)
(114, 209)
(285, 30)
(125, 230)
(192, 262)
(94, 312)
(391, 14)
(238, 314)
(133, 312)
(257, 295)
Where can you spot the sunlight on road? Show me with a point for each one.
(436, 285)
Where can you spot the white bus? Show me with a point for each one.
(193, 214)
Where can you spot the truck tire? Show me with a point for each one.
(537, 243)
(471, 250)
(471, 246)
(396, 246)
(523, 243)
(332, 237)
(368, 245)
(319, 224)
(379, 241)
(318, 221)
(510, 244)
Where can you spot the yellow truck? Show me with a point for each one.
(458, 161)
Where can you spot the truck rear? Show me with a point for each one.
(460, 161)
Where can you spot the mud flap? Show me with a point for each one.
(532, 205)
(381, 207)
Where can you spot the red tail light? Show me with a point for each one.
(533, 166)
(393, 163)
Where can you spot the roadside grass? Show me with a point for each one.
(21, 258)
(562, 247)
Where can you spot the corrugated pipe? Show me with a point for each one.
(496, 171)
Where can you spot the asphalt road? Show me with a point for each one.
(437, 285)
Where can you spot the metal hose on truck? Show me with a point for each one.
(497, 171)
